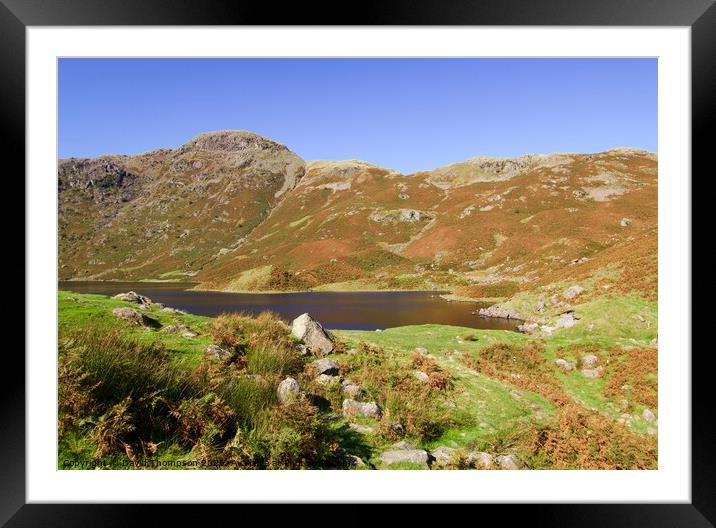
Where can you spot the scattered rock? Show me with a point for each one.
(356, 408)
(171, 329)
(411, 455)
(217, 352)
(169, 309)
(128, 314)
(590, 360)
(651, 431)
(288, 389)
(547, 330)
(553, 300)
(572, 292)
(422, 351)
(499, 313)
(480, 460)
(360, 428)
(566, 320)
(509, 462)
(564, 364)
(648, 415)
(540, 306)
(528, 328)
(421, 376)
(311, 332)
(443, 455)
(593, 373)
(325, 366)
(398, 428)
(625, 222)
(352, 390)
(188, 334)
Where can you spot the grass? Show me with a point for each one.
(132, 396)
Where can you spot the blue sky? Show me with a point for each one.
(406, 114)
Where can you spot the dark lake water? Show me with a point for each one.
(336, 310)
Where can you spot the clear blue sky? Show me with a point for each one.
(406, 114)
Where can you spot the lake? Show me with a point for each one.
(334, 310)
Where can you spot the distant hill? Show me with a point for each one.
(235, 211)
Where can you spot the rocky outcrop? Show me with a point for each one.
(310, 331)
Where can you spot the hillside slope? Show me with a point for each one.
(165, 213)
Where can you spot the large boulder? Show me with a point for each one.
(128, 314)
(133, 297)
(404, 453)
(288, 389)
(325, 366)
(313, 335)
(355, 408)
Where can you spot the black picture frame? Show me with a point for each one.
(699, 15)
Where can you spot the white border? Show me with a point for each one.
(670, 483)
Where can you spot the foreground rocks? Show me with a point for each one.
(500, 313)
(131, 315)
(405, 453)
(353, 408)
(288, 390)
(216, 352)
(325, 366)
(312, 334)
(134, 297)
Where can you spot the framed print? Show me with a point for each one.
(434, 254)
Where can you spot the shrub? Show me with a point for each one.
(239, 332)
(439, 378)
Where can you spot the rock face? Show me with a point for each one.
(356, 408)
(288, 389)
(317, 340)
(325, 366)
(128, 314)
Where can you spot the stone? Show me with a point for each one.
(528, 328)
(593, 373)
(590, 360)
(564, 364)
(418, 457)
(217, 352)
(553, 300)
(480, 460)
(312, 334)
(128, 314)
(421, 376)
(540, 306)
(288, 389)
(360, 428)
(325, 366)
(352, 390)
(648, 415)
(566, 320)
(625, 222)
(398, 428)
(356, 408)
(443, 455)
(355, 461)
(302, 349)
(188, 334)
(133, 297)
(422, 351)
(508, 462)
(572, 292)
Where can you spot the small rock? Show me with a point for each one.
(355, 408)
(169, 309)
(355, 461)
(648, 415)
(590, 360)
(422, 376)
(593, 373)
(508, 462)
(419, 457)
(171, 329)
(625, 222)
(188, 334)
(360, 428)
(443, 455)
(302, 349)
(217, 352)
(325, 366)
(352, 390)
(480, 460)
(564, 364)
(288, 389)
(528, 328)
(566, 320)
(540, 306)
(398, 428)
(422, 351)
(572, 292)
(128, 314)
(547, 330)
(651, 431)
(553, 300)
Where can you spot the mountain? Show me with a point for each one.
(235, 211)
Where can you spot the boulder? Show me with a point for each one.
(566, 320)
(398, 428)
(421, 350)
(480, 460)
(356, 408)
(216, 352)
(564, 364)
(352, 390)
(326, 380)
(593, 373)
(128, 314)
(288, 389)
(572, 292)
(133, 297)
(648, 415)
(355, 461)
(625, 222)
(325, 366)
(313, 335)
(528, 328)
(508, 462)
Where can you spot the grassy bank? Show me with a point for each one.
(148, 395)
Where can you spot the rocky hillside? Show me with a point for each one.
(239, 212)
(166, 213)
